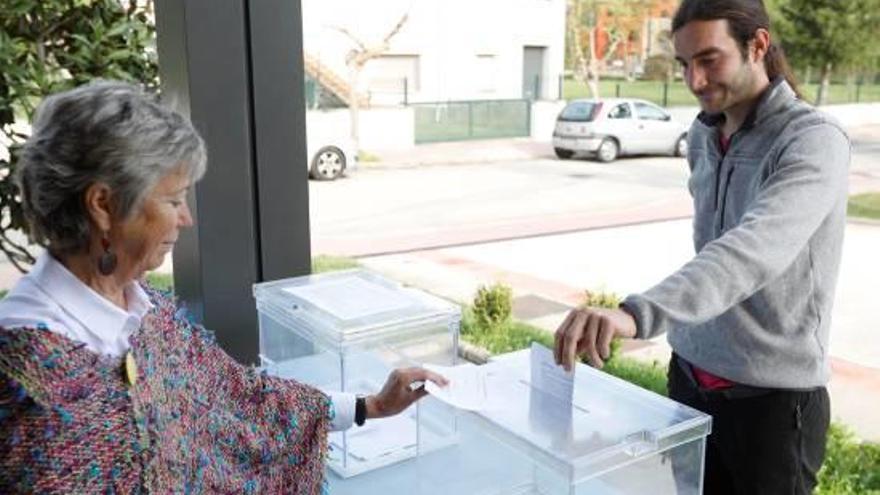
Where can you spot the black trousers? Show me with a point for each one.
(763, 440)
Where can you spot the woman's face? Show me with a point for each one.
(142, 241)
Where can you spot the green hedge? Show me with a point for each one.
(865, 205)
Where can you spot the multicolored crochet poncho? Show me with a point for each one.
(195, 421)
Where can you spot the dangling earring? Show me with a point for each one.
(107, 261)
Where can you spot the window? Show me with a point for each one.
(621, 111)
(650, 112)
(484, 74)
(580, 111)
(387, 73)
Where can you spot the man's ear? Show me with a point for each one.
(760, 45)
(98, 202)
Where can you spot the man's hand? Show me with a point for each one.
(398, 392)
(590, 331)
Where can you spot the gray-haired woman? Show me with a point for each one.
(104, 385)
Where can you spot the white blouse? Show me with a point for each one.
(53, 296)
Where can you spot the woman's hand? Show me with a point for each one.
(400, 392)
(590, 331)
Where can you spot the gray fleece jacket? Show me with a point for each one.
(754, 304)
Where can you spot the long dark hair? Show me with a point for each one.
(744, 17)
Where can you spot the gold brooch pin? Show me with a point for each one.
(131, 371)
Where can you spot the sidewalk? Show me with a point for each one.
(463, 152)
(549, 275)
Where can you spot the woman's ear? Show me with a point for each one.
(98, 203)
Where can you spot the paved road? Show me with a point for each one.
(393, 210)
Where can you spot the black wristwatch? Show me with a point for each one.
(360, 411)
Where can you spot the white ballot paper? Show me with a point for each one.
(466, 388)
(549, 377)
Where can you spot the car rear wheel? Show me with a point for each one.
(328, 164)
(608, 150)
(681, 146)
(563, 154)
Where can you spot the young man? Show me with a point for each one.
(748, 317)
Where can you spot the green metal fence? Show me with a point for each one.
(477, 119)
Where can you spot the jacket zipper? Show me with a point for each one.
(723, 205)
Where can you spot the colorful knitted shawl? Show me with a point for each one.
(195, 421)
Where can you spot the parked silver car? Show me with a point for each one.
(330, 156)
(608, 128)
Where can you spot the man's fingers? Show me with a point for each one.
(606, 335)
(560, 336)
(589, 341)
(573, 335)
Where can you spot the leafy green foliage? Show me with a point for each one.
(48, 46)
(829, 34)
(492, 306)
(500, 339)
(850, 467)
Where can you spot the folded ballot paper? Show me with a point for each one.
(466, 388)
(470, 386)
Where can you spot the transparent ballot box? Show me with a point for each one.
(607, 437)
(346, 331)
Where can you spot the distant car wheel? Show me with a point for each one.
(608, 150)
(328, 164)
(681, 146)
(563, 154)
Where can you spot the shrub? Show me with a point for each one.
(492, 306)
(850, 467)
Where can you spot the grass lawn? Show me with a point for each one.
(677, 92)
(320, 264)
(865, 205)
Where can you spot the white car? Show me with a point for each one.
(608, 128)
(330, 158)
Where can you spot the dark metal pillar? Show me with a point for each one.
(235, 67)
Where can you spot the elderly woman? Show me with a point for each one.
(104, 386)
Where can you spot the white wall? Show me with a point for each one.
(449, 37)
(544, 115)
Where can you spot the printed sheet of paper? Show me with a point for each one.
(466, 389)
(351, 298)
(549, 377)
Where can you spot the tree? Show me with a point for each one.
(52, 45)
(356, 60)
(589, 20)
(830, 34)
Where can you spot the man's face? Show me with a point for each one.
(714, 67)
